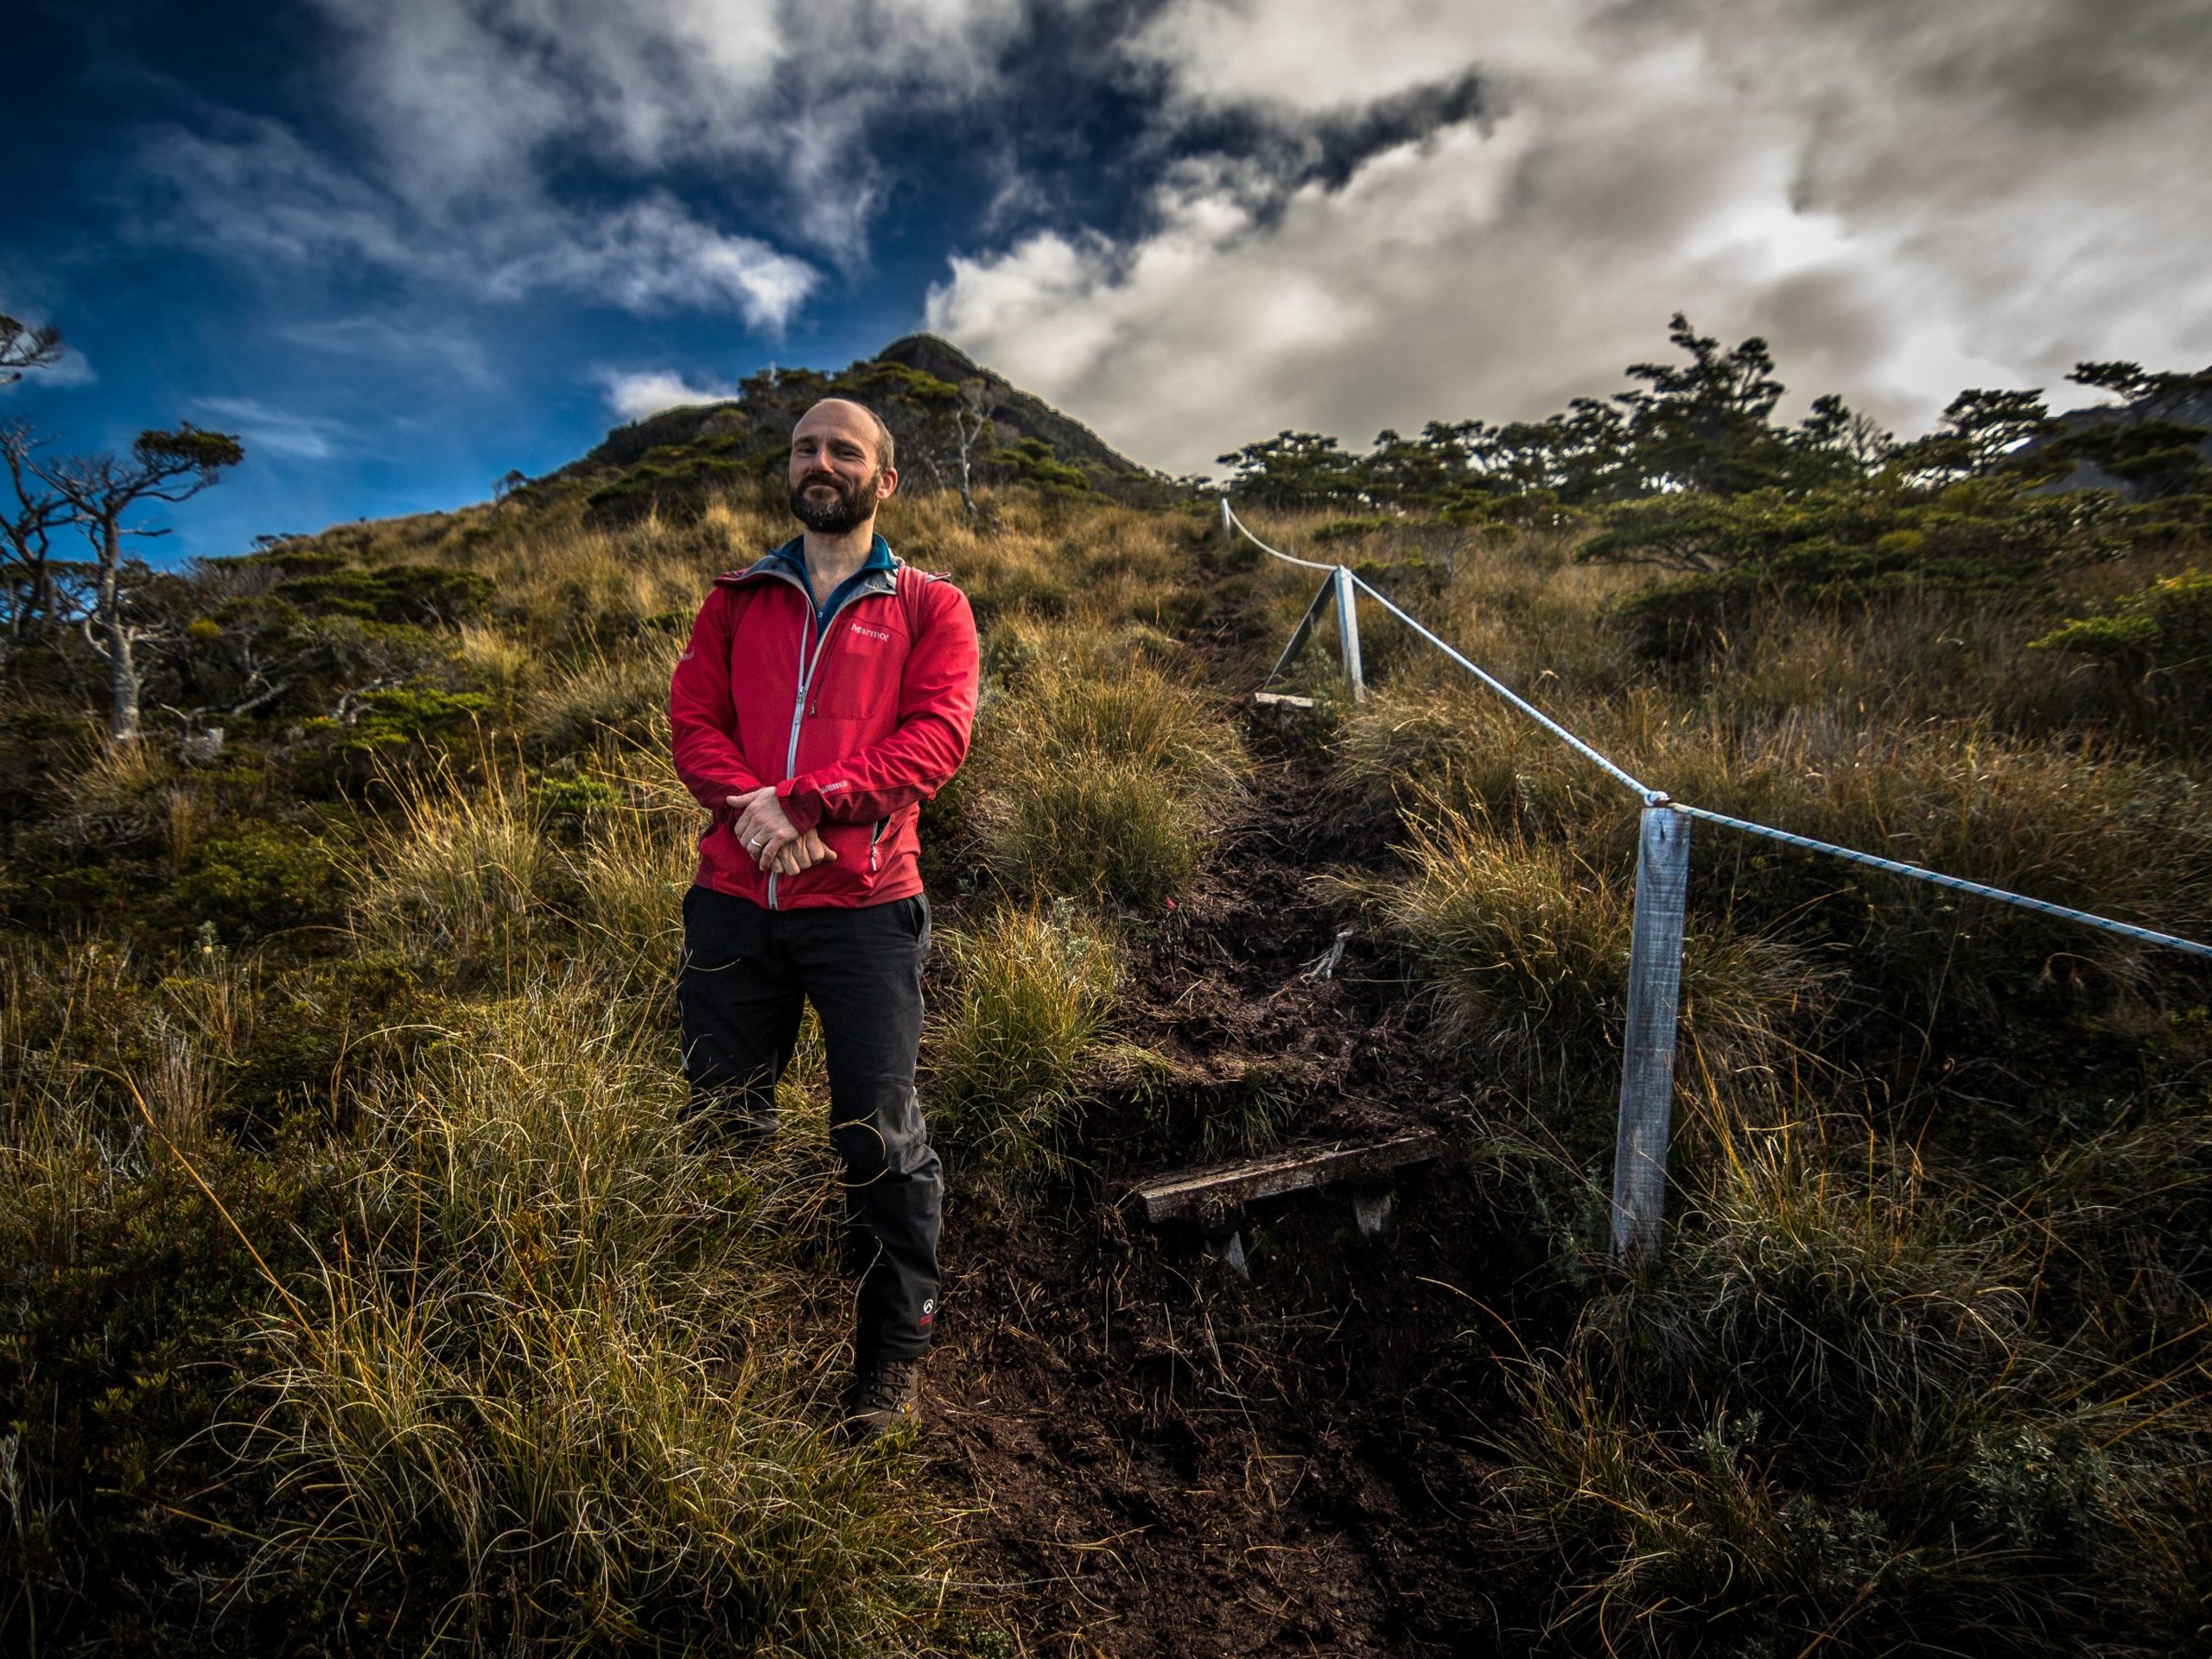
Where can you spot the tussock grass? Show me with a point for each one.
(571, 588)
(1035, 987)
(1836, 1415)
(1524, 945)
(455, 873)
(2088, 825)
(1093, 828)
(621, 698)
(1102, 786)
(503, 665)
(629, 874)
(558, 1389)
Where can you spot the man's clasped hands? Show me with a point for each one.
(770, 839)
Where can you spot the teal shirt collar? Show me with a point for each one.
(793, 554)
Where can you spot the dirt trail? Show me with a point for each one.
(1167, 1460)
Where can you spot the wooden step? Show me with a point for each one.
(1212, 1196)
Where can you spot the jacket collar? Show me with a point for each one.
(879, 575)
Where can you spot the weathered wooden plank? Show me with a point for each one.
(1201, 1194)
(1280, 700)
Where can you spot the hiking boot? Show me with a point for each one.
(885, 1396)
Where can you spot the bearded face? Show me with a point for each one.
(829, 505)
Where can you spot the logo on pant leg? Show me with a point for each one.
(929, 1313)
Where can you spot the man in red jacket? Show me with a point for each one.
(826, 692)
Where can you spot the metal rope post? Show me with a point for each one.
(1655, 978)
(1348, 633)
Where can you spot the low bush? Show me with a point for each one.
(421, 594)
(2157, 641)
(1850, 546)
(1839, 1417)
(261, 881)
(399, 717)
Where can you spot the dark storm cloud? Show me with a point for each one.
(1278, 149)
(1196, 220)
(1423, 207)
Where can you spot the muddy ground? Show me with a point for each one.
(1165, 1457)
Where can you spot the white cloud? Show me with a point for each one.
(1905, 199)
(260, 195)
(465, 111)
(633, 395)
(463, 101)
(653, 255)
(388, 339)
(304, 437)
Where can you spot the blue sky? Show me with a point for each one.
(403, 246)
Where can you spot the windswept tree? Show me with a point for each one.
(1706, 425)
(28, 518)
(973, 431)
(26, 346)
(101, 491)
(1981, 430)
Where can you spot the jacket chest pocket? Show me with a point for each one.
(859, 675)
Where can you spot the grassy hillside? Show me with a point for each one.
(362, 1299)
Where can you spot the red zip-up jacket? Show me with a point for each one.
(855, 728)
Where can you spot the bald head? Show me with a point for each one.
(842, 413)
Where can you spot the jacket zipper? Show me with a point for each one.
(881, 824)
(807, 671)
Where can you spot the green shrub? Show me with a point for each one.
(1349, 529)
(403, 715)
(575, 797)
(424, 595)
(2164, 631)
(261, 882)
(1843, 548)
(1033, 988)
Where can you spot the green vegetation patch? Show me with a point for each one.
(424, 595)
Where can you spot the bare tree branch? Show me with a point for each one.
(23, 346)
(100, 489)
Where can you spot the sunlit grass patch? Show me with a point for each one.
(1102, 786)
(618, 697)
(1524, 946)
(1034, 987)
(557, 1350)
(457, 870)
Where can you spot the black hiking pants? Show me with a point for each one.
(747, 972)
